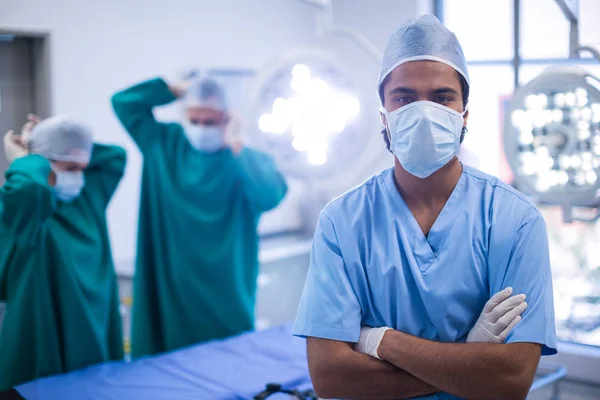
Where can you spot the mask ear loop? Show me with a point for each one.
(464, 128)
(385, 113)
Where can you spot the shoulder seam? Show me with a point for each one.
(520, 196)
(367, 182)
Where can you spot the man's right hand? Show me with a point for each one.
(13, 147)
(499, 316)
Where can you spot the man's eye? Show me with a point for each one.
(444, 99)
(403, 100)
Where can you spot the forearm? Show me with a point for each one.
(108, 158)
(143, 96)
(351, 375)
(105, 171)
(134, 106)
(471, 371)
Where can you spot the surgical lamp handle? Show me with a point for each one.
(595, 53)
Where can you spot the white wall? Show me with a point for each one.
(98, 47)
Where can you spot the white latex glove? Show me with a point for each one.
(369, 340)
(12, 148)
(499, 316)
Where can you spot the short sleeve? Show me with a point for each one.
(529, 273)
(329, 308)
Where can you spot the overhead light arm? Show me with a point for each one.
(326, 26)
(570, 9)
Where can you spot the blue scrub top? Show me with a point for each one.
(372, 265)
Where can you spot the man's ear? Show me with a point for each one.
(465, 119)
(383, 120)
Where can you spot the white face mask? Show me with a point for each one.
(68, 184)
(208, 139)
(424, 136)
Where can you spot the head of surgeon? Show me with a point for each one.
(67, 144)
(423, 89)
(206, 115)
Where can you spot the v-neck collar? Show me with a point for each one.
(426, 248)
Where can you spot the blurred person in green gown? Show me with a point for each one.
(56, 270)
(202, 195)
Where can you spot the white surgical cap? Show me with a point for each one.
(206, 92)
(424, 38)
(61, 139)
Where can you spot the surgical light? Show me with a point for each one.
(306, 109)
(312, 113)
(552, 138)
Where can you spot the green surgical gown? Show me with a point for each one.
(197, 254)
(56, 271)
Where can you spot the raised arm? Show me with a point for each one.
(27, 198)
(263, 184)
(105, 171)
(133, 107)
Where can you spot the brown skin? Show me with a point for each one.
(211, 117)
(208, 116)
(414, 366)
(338, 371)
(468, 370)
(425, 81)
(199, 115)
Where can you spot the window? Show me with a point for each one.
(485, 30)
(461, 16)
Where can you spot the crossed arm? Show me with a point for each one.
(414, 367)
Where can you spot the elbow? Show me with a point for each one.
(518, 386)
(516, 392)
(326, 376)
(269, 202)
(115, 102)
(277, 197)
(324, 382)
(120, 157)
(118, 104)
(514, 385)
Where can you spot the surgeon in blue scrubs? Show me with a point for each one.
(408, 265)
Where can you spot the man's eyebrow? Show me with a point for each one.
(445, 90)
(401, 89)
